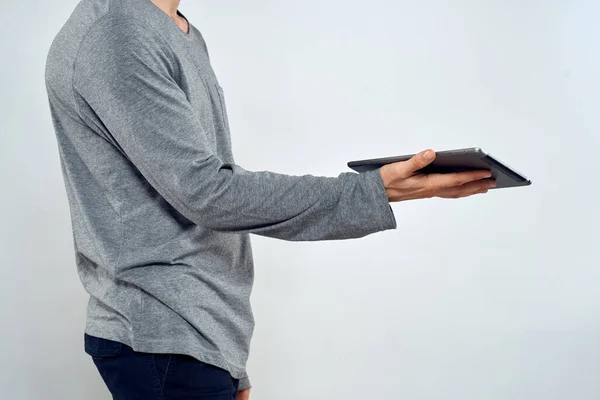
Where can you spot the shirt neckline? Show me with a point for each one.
(189, 28)
(168, 23)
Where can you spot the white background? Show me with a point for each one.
(490, 297)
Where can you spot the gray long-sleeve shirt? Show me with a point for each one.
(161, 213)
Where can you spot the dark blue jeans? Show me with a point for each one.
(131, 375)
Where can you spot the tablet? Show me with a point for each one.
(456, 161)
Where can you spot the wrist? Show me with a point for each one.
(383, 172)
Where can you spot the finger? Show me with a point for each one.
(454, 179)
(421, 160)
(468, 189)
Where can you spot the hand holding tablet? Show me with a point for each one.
(447, 174)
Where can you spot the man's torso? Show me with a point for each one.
(158, 282)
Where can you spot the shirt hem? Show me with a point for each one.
(158, 347)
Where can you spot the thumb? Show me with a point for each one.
(421, 160)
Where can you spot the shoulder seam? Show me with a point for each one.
(77, 56)
(108, 13)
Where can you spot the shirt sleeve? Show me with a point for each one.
(244, 383)
(125, 77)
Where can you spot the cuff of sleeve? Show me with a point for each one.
(377, 189)
(244, 383)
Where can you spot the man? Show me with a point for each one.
(162, 214)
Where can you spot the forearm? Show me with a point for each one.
(297, 208)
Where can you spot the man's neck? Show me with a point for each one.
(168, 6)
